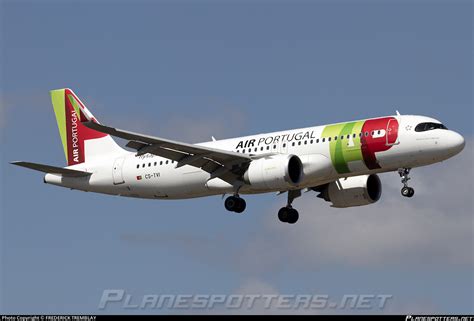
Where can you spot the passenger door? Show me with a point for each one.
(118, 171)
(392, 132)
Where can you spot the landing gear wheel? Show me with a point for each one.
(408, 191)
(293, 216)
(235, 204)
(283, 214)
(241, 205)
(230, 203)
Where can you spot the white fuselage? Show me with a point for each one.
(150, 176)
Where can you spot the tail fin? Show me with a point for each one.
(79, 142)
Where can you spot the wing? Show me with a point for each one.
(52, 169)
(226, 165)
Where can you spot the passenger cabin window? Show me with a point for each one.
(429, 126)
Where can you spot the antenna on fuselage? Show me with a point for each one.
(398, 113)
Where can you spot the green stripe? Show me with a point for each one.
(75, 104)
(341, 151)
(57, 98)
(354, 153)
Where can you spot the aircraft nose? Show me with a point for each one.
(456, 142)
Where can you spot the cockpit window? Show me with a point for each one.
(428, 126)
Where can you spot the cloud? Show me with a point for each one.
(271, 301)
(211, 250)
(265, 300)
(226, 123)
(414, 306)
(255, 286)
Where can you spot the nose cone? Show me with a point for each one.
(456, 143)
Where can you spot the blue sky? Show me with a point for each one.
(189, 70)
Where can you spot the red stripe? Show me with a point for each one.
(76, 132)
(371, 145)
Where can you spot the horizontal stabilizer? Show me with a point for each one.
(52, 169)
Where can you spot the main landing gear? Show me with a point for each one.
(288, 214)
(235, 204)
(406, 190)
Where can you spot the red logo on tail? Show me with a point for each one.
(76, 132)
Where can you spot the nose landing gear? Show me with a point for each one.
(406, 190)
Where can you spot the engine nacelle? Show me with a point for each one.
(277, 172)
(353, 191)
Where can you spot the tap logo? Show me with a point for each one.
(360, 141)
(67, 108)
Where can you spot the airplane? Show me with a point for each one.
(340, 162)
